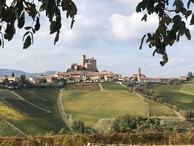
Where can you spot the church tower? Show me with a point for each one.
(139, 72)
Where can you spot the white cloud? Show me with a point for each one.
(131, 3)
(128, 28)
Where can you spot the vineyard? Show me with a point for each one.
(35, 111)
(180, 96)
(98, 109)
(25, 107)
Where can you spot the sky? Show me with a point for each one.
(109, 31)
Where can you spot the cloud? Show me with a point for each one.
(131, 3)
(131, 27)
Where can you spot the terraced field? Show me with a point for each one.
(35, 122)
(181, 96)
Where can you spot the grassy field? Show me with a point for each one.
(98, 109)
(179, 95)
(7, 130)
(24, 107)
(158, 109)
(38, 124)
(83, 86)
(113, 86)
(188, 89)
(45, 98)
(91, 106)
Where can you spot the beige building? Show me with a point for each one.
(89, 63)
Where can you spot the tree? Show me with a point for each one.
(13, 75)
(15, 15)
(171, 24)
(78, 126)
(190, 75)
(127, 123)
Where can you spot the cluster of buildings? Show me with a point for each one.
(87, 71)
(142, 78)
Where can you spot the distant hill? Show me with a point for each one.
(8, 72)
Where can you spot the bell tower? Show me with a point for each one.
(139, 72)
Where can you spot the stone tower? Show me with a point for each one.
(83, 60)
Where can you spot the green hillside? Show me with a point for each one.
(17, 111)
(181, 96)
(97, 108)
(35, 111)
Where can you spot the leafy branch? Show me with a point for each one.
(20, 10)
(171, 25)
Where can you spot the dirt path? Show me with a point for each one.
(101, 88)
(13, 126)
(66, 118)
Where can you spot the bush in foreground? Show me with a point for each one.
(102, 139)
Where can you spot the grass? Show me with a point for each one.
(158, 109)
(7, 130)
(175, 123)
(188, 89)
(175, 95)
(92, 106)
(7, 94)
(45, 98)
(35, 124)
(83, 86)
(24, 107)
(112, 86)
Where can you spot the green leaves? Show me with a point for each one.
(178, 4)
(171, 25)
(192, 20)
(9, 32)
(27, 42)
(37, 26)
(22, 10)
(21, 20)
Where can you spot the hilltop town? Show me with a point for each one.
(87, 71)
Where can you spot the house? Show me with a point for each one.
(58, 75)
(183, 78)
(34, 80)
(13, 79)
(2, 79)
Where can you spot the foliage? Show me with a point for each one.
(190, 75)
(78, 126)
(20, 10)
(171, 25)
(104, 139)
(129, 123)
